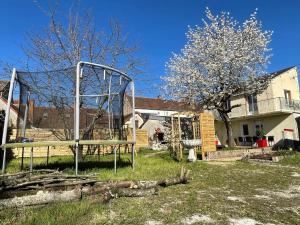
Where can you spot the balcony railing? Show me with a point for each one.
(265, 107)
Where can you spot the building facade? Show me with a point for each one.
(153, 113)
(274, 114)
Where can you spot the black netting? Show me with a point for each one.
(46, 104)
(105, 101)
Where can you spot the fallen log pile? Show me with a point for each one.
(47, 186)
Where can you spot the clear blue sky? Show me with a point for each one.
(159, 26)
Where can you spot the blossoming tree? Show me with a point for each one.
(221, 59)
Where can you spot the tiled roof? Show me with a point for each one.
(3, 84)
(161, 104)
(277, 73)
(12, 106)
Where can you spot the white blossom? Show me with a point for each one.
(220, 59)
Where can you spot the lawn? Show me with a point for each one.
(218, 193)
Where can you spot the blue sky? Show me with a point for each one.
(159, 27)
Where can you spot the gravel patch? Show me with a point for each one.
(153, 222)
(295, 174)
(236, 199)
(292, 192)
(197, 218)
(266, 197)
(243, 221)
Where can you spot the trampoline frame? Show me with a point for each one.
(76, 142)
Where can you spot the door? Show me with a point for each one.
(245, 130)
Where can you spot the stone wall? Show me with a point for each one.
(235, 154)
(47, 135)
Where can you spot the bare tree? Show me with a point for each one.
(65, 42)
(221, 59)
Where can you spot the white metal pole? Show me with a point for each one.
(7, 111)
(120, 118)
(115, 159)
(25, 114)
(133, 123)
(108, 108)
(77, 116)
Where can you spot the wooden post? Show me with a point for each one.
(194, 135)
(31, 160)
(202, 139)
(193, 126)
(115, 158)
(22, 159)
(179, 139)
(173, 134)
(47, 155)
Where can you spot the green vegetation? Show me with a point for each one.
(292, 158)
(230, 148)
(218, 192)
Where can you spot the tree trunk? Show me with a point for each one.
(80, 153)
(41, 197)
(227, 122)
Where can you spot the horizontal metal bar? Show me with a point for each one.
(108, 68)
(38, 144)
(104, 142)
(99, 95)
(64, 143)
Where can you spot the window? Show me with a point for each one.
(252, 103)
(287, 96)
(245, 129)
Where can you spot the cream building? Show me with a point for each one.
(274, 113)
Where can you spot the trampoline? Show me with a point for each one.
(81, 106)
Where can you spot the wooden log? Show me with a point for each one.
(125, 192)
(23, 174)
(60, 180)
(12, 181)
(40, 198)
(84, 187)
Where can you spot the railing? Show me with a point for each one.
(266, 106)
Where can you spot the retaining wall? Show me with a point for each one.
(236, 154)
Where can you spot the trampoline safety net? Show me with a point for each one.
(46, 103)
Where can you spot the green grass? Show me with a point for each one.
(207, 193)
(292, 159)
